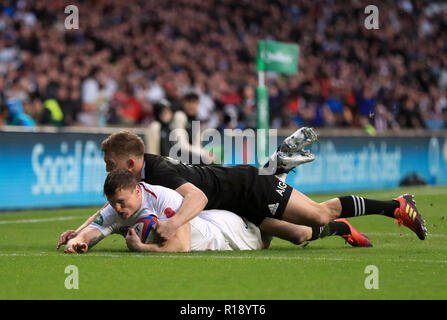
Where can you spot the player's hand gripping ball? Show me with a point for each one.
(143, 228)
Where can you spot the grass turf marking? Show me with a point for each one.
(183, 256)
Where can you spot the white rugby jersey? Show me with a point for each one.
(211, 230)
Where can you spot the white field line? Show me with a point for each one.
(183, 256)
(42, 220)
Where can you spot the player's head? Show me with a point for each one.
(122, 150)
(122, 191)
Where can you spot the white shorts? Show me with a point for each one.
(239, 233)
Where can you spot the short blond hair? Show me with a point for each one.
(123, 144)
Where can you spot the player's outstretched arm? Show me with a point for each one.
(193, 203)
(70, 234)
(86, 239)
(181, 242)
(90, 220)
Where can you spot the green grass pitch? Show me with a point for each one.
(408, 268)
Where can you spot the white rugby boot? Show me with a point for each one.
(291, 152)
(290, 160)
(297, 141)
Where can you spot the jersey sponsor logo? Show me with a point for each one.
(273, 208)
(281, 188)
(99, 220)
(169, 212)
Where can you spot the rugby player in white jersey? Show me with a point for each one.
(130, 201)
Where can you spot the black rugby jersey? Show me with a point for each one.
(226, 188)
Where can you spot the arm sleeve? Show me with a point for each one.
(168, 202)
(104, 222)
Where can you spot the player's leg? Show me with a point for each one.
(270, 197)
(302, 210)
(285, 230)
(298, 234)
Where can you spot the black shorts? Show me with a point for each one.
(240, 189)
(268, 197)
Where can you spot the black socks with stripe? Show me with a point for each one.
(334, 228)
(354, 206)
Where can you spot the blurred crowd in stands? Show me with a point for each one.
(130, 60)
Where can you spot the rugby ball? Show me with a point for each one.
(143, 228)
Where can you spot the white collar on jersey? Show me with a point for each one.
(142, 170)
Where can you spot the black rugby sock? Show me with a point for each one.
(354, 206)
(334, 228)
